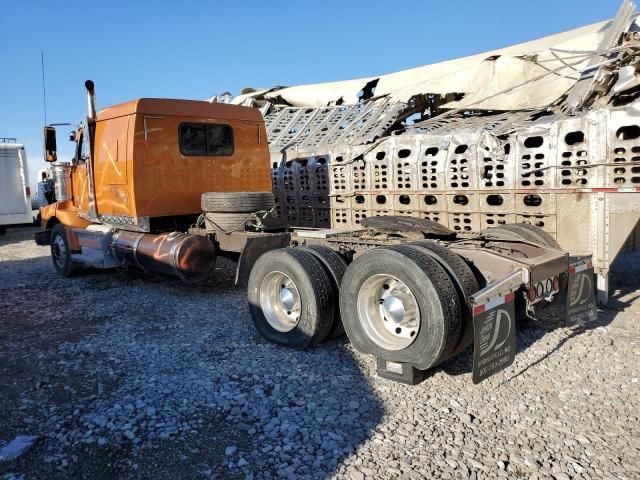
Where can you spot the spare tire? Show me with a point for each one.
(399, 304)
(236, 201)
(226, 222)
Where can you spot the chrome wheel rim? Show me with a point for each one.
(59, 250)
(388, 312)
(280, 301)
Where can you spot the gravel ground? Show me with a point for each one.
(122, 375)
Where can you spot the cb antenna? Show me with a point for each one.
(44, 90)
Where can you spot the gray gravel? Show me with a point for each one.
(130, 376)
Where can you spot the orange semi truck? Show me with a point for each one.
(166, 186)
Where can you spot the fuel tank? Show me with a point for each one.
(189, 257)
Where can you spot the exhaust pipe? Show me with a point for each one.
(91, 99)
(188, 257)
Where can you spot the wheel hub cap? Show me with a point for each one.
(280, 301)
(388, 312)
(287, 299)
(393, 309)
(59, 250)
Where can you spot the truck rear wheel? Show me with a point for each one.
(61, 252)
(335, 266)
(464, 281)
(291, 298)
(399, 304)
(238, 202)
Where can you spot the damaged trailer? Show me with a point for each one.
(545, 133)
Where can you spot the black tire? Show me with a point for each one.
(463, 279)
(237, 201)
(435, 295)
(524, 231)
(335, 266)
(315, 293)
(61, 252)
(226, 222)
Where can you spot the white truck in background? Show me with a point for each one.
(15, 193)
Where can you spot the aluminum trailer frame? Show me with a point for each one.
(540, 133)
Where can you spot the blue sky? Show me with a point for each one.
(193, 49)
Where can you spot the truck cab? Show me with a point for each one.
(142, 166)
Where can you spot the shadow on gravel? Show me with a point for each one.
(126, 375)
(18, 234)
(625, 288)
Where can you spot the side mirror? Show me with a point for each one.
(50, 147)
(72, 136)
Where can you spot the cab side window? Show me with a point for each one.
(80, 156)
(205, 139)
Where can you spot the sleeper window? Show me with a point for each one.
(206, 139)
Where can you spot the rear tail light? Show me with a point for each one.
(532, 294)
(556, 282)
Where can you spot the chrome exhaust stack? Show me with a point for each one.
(91, 100)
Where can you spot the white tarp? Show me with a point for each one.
(527, 75)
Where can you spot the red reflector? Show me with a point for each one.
(479, 309)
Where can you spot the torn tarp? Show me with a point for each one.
(529, 75)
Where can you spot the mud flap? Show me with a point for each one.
(42, 238)
(255, 246)
(581, 300)
(494, 336)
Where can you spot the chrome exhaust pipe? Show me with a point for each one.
(188, 257)
(91, 99)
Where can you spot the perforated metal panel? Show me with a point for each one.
(624, 149)
(306, 129)
(466, 173)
